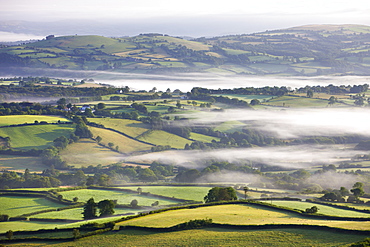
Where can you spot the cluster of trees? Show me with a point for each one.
(332, 89)
(245, 138)
(273, 91)
(27, 108)
(221, 194)
(341, 194)
(106, 208)
(41, 91)
(9, 180)
(212, 167)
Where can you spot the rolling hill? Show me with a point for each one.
(305, 50)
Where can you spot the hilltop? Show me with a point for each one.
(306, 50)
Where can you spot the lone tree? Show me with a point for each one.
(246, 189)
(98, 139)
(106, 208)
(312, 210)
(134, 203)
(89, 209)
(309, 93)
(221, 194)
(9, 234)
(358, 190)
(139, 190)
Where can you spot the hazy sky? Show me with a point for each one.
(232, 16)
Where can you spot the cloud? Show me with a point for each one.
(12, 37)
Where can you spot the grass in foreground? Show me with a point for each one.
(218, 237)
(237, 215)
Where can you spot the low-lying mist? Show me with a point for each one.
(291, 157)
(185, 81)
(293, 123)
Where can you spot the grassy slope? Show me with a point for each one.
(290, 101)
(17, 205)
(35, 136)
(20, 163)
(239, 215)
(327, 210)
(182, 192)
(21, 119)
(125, 144)
(218, 237)
(132, 128)
(160, 137)
(202, 138)
(87, 152)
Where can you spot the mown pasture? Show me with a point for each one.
(131, 128)
(218, 237)
(76, 213)
(125, 144)
(18, 205)
(297, 102)
(35, 136)
(22, 119)
(121, 197)
(238, 215)
(230, 126)
(195, 193)
(87, 152)
(202, 138)
(160, 137)
(323, 209)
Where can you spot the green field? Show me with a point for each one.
(160, 137)
(218, 237)
(247, 98)
(76, 213)
(132, 128)
(238, 215)
(230, 126)
(121, 197)
(182, 192)
(21, 119)
(202, 138)
(87, 152)
(35, 136)
(18, 205)
(125, 144)
(290, 101)
(327, 210)
(21, 163)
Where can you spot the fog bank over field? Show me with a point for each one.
(186, 81)
(293, 123)
(294, 157)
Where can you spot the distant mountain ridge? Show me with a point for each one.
(304, 50)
